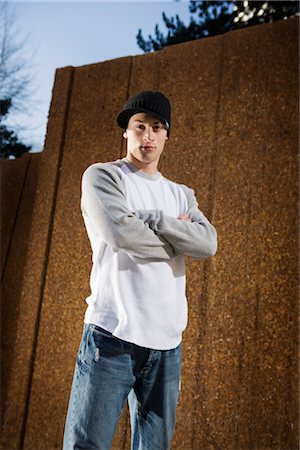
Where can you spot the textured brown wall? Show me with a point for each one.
(234, 140)
(30, 294)
(18, 187)
(14, 175)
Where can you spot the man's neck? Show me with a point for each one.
(149, 168)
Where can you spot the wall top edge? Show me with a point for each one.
(250, 29)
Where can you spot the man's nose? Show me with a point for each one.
(149, 134)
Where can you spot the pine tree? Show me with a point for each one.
(210, 18)
(10, 146)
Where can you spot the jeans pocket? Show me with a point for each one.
(87, 351)
(105, 344)
(98, 330)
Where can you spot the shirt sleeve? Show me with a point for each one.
(103, 202)
(197, 238)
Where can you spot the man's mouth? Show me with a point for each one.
(148, 148)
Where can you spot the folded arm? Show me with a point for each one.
(103, 202)
(196, 238)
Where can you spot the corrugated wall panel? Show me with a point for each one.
(31, 286)
(18, 187)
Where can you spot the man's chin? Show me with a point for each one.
(144, 157)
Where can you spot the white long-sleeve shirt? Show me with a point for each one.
(138, 244)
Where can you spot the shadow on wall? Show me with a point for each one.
(18, 180)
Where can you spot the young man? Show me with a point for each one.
(140, 226)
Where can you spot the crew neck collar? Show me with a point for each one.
(140, 172)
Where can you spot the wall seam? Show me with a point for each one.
(211, 188)
(15, 219)
(46, 260)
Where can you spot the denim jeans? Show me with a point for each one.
(107, 372)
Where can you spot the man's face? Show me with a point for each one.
(146, 137)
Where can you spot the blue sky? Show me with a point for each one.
(77, 33)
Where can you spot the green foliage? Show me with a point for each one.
(210, 18)
(10, 146)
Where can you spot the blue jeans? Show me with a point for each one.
(108, 371)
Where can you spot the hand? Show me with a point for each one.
(185, 218)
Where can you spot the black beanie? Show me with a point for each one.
(151, 102)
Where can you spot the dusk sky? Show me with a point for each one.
(77, 33)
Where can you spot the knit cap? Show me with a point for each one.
(151, 102)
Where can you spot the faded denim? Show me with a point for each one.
(108, 371)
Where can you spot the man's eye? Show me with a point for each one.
(140, 127)
(156, 129)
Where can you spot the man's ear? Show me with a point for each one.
(125, 134)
